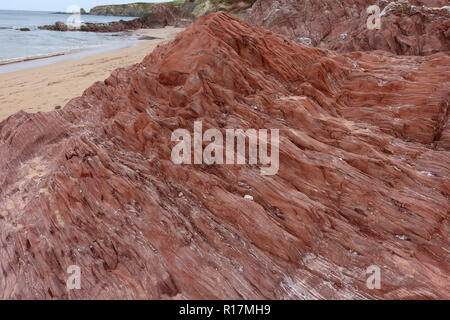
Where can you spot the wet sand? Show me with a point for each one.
(42, 88)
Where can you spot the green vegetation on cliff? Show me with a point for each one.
(137, 9)
(197, 7)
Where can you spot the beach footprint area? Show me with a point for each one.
(42, 88)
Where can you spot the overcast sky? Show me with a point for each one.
(59, 5)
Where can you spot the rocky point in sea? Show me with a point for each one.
(363, 180)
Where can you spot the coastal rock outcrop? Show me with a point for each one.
(363, 180)
(160, 16)
(407, 27)
(203, 7)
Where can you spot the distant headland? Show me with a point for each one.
(196, 7)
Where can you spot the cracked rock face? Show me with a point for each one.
(407, 27)
(363, 178)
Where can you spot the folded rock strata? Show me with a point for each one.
(408, 27)
(363, 178)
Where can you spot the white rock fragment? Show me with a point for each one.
(401, 237)
(248, 197)
(306, 41)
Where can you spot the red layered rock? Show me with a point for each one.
(363, 178)
(407, 27)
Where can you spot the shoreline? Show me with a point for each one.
(39, 61)
(41, 85)
(130, 39)
(24, 59)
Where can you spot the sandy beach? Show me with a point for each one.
(44, 87)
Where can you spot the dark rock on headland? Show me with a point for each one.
(82, 12)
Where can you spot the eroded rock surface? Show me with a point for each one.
(407, 27)
(202, 7)
(363, 179)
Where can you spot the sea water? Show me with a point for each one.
(16, 45)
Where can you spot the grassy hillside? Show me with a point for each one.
(197, 7)
(128, 10)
